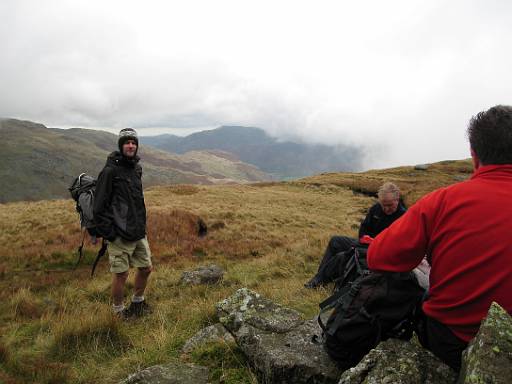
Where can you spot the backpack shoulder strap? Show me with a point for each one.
(342, 306)
(101, 252)
(341, 300)
(80, 249)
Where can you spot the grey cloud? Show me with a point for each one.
(405, 89)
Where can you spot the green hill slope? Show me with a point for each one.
(40, 163)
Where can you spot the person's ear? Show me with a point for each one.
(475, 159)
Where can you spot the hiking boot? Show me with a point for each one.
(138, 310)
(122, 315)
(315, 282)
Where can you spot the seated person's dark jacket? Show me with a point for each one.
(376, 220)
(332, 263)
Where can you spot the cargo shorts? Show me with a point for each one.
(123, 254)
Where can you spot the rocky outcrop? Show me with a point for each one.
(277, 342)
(488, 358)
(279, 345)
(209, 274)
(398, 361)
(173, 373)
(211, 334)
(290, 357)
(246, 307)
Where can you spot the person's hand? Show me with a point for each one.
(366, 239)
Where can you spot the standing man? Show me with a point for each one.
(120, 216)
(464, 230)
(379, 217)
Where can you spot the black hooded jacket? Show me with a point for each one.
(376, 220)
(119, 208)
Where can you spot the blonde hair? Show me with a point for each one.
(389, 187)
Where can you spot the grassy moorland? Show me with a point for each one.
(55, 322)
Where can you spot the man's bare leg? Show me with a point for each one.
(141, 280)
(118, 282)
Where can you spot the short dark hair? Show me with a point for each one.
(490, 135)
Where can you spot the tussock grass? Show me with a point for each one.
(183, 189)
(99, 333)
(25, 304)
(4, 353)
(40, 371)
(226, 363)
(268, 237)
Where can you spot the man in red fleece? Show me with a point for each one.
(464, 230)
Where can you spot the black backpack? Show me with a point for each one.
(349, 265)
(82, 191)
(367, 307)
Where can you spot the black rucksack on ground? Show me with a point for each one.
(82, 191)
(367, 307)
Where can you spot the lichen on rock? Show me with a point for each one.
(488, 357)
(246, 306)
(172, 373)
(398, 361)
(213, 333)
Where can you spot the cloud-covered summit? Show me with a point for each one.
(401, 78)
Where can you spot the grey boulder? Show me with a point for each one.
(276, 341)
(488, 357)
(209, 274)
(172, 373)
(246, 307)
(213, 333)
(290, 357)
(401, 362)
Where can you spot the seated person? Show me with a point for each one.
(379, 217)
(464, 229)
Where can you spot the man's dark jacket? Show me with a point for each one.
(376, 220)
(119, 208)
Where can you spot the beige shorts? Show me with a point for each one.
(123, 254)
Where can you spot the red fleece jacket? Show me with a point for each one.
(465, 231)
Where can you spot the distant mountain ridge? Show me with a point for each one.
(40, 163)
(282, 159)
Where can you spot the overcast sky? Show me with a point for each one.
(401, 77)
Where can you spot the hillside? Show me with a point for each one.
(413, 182)
(40, 163)
(55, 322)
(282, 159)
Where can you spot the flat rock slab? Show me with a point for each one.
(248, 307)
(276, 340)
(488, 357)
(208, 274)
(213, 333)
(173, 373)
(290, 357)
(399, 362)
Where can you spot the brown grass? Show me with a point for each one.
(413, 183)
(183, 189)
(25, 304)
(4, 353)
(268, 237)
(99, 333)
(38, 370)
